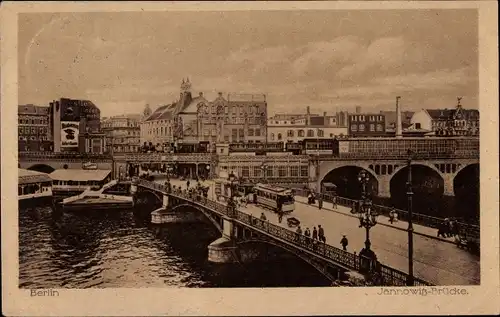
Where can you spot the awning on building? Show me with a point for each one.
(30, 177)
(79, 175)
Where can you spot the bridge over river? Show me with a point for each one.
(436, 261)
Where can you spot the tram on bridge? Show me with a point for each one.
(275, 198)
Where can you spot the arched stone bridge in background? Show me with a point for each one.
(241, 233)
(383, 170)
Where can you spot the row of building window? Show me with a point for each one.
(160, 131)
(43, 121)
(33, 138)
(271, 171)
(118, 133)
(232, 120)
(362, 118)
(115, 125)
(361, 127)
(33, 130)
(157, 122)
(300, 133)
(234, 109)
(241, 132)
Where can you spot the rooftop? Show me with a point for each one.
(442, 114)
(79, 175)
(32, 109)
(30, 177)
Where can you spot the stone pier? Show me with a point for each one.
(222, 250)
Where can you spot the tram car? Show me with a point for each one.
(275, 198)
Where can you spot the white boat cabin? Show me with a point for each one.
(78, 180)
(33, 184)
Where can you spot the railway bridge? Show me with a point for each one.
(243, 237)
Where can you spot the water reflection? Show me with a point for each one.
(121, 249)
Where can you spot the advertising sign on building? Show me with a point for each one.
(343, 147)
(89, 166)
(69, 134)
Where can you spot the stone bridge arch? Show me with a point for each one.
(318, 265)
(326, 173)
(202, 210)
(152, 193)
(466, 187)
(428, 187)
(44, 168)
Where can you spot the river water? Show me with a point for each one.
(122, 249)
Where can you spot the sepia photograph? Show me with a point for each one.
(250, 149)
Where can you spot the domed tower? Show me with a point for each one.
(147, 112)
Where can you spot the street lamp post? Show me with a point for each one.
(207, 167)
(367, 216)
(409, 193)
(264, 168)
(232, 179)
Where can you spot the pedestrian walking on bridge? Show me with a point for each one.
(320, 201)
(315, 234)
(299, 233)
(391, 215)
(321, 234)
(344, 242)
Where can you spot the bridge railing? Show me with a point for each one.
(400, 156)
(386, 275)
(167, 157)
(63, 155)
(425, 220)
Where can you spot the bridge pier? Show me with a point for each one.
(384, 186)
(222, 250)
(133, 188)
(448, 184)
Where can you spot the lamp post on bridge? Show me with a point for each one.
(231, 205)
(409, 193)
(367, 219)
(208, 170)
(264, 168)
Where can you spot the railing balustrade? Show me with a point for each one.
(425, 220)
(387, 275)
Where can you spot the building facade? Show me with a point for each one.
(367, 125)
(33, 128)
(190, 120)
(122, 133)
(297, 128)
(448, 122)
(237, 118)
(157, 127)
(75, 126)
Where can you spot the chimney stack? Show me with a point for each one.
(308, 116)
(358, 109)
(399, 125)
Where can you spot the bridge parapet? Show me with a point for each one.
(386, 275)
(63, 156)
(425, 220)
(166, 157)
(381, 156)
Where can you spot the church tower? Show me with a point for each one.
(147, 112)
(185, 96)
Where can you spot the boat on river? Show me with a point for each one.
(92, 199)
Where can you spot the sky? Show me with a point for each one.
(328, 60)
